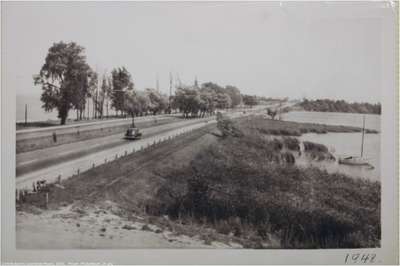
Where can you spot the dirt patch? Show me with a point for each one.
(96, 226)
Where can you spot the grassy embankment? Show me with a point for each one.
(242, 185)
(248, 186)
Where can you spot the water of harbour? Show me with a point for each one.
(344, 144)
(35, 110)
(37, 113)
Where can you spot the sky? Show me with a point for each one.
(289, 49)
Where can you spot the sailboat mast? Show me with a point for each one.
(362, 139)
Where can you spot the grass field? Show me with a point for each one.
(286, 128)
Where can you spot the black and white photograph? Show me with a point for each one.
(202, 125)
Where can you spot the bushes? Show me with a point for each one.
(268, 203)
(291, 143)
(226, 126)
(311, 146)
(317, 151)
(249, 187)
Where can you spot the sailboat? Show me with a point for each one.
(357, 160)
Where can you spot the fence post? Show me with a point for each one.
(78, 171)
(105, 160)
(126, 153)
(59, 179)
(93, 165)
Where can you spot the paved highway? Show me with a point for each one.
(48, 131)
(65, 160)
(34, 160)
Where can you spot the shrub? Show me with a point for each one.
(291, 143)
(317, 151)
(311, 146)
(249, 187)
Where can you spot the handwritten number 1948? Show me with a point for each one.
(360, 258)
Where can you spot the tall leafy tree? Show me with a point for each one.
(137, 102)
(222, 99)
(109, 94)
(102, 96)
(249, 100)
(64, 79)
(121, 84)
(234, 94)
(207, 102)
(158, 101)
(93, 91)
(187, 100)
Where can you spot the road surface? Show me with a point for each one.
(48, 131)
(77, 157)
(34, 160)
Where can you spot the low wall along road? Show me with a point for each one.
(40, 138)
(77, 166)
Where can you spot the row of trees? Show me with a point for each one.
(203, 100)
(69, 83)
(326, 105)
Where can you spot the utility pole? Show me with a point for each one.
(97, 92)
(107, 106)
(157, 83)
(109, 92)
(93, 107)
(170, 92)
(96, 104)
(362, 138)
(88, 108)
(26, 114)
(178, 80)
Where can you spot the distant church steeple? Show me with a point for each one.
(196, 83)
